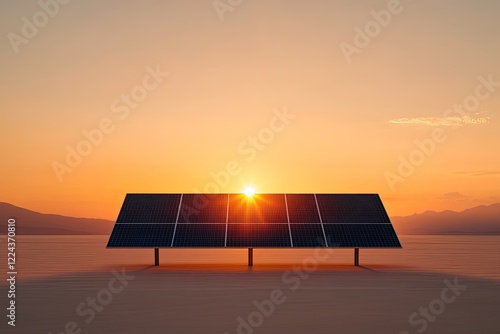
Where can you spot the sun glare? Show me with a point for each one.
(249, 191)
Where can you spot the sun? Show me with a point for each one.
(249, 191)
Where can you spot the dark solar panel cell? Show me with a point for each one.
(203, 209)
(354, 217)
(350, 201)
(260, 208)
(361, 235)
(200, 235)
(302, 209)
(307, 235)
(149, 209)
(258, 235)
(141, 235)
(352, 209)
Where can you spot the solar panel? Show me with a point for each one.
(307, 235)
(203, 209)
(260, 208)
(141, 235)
(263, 220)
(149, 209)
(302, 209)
(258, 235)
(361, 235)
(352, 209)
(200, 235)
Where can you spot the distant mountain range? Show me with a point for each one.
(484, 219)
(31, 222)
(478, 220)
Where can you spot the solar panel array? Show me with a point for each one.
(261, 221)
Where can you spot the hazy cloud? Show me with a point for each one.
(479, 173)
(459, 197)
(442, 121)
(453, 196)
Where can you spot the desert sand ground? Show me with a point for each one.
(287, 291)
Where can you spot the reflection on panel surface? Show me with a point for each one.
(260, 208)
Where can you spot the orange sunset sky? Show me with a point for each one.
(356, 104)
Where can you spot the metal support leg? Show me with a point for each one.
(250, 257)
(356, 257)
(157, 257)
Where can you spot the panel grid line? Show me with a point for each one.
(227, 220)
(288, 219)
(321, 220)
(176, 221)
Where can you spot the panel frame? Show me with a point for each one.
(227, 242)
